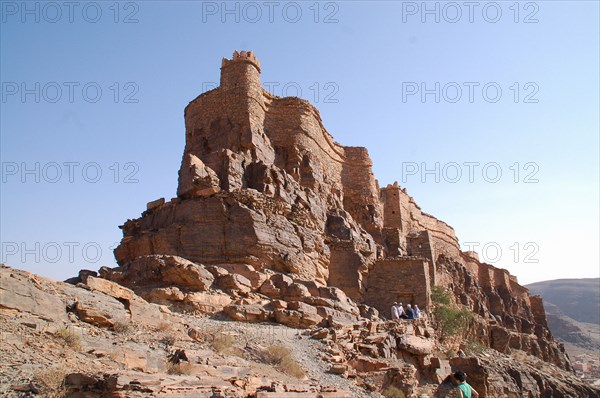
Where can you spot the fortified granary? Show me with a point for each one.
(267, 197)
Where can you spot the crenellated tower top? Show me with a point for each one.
(242, 56)
(242, 71)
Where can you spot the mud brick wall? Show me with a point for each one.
(401, 211)
(421, 245)
(403, 280)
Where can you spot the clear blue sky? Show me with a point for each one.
(369, 63)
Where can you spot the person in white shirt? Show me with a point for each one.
(394, 309)
(400, 310)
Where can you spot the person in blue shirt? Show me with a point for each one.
(416, 311)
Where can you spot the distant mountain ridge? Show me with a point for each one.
(578, 299)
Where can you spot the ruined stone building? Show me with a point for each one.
(263, 184)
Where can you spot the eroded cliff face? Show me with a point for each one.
(265, 193)
(263, 183)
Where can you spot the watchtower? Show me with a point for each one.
(241, 71)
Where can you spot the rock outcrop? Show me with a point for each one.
(99, 339)
(379, 354)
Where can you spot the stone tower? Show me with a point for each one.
(225, 126)
(242, 71)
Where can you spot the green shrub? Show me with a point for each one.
(451, 321)
(440, 295)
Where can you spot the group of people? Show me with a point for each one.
(399, 312)
(462, 389)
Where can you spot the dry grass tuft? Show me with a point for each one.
(168, 334)
(51, 382)
(181, 368)
(393, 392)
(164, 327)
(474, 347)
(124, 328)
(291, 368)
(281, 357)
(519, 355)
(224, 343)
(168, 339)
(116, 355)
(69, 338)
(275, 354)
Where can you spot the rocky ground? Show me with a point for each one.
(101, 340)
(96, 347)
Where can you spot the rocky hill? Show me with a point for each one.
(573, 310)
(276, 223)
(568, 330)
(578, 299)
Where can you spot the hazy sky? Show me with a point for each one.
(487, 112)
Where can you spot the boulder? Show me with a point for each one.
(145, 313)
(296, 319)
(94, 316)
(182, 273)
(164, 295)
(340, 300)
(295, 292)
(208, 303)
(367, 364)
(155, 203)
(161, 270)
(231, 282)
(415, 345)
(269, 289)
(107, 287)
(302, 307)
(439, 369)
(338, 368)
(404, 378)
(196, 179)
(336, 318)
(499, 338)
(320, 334)
(247, 313)
(278, 304)
(281, 281)
(256, 278)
